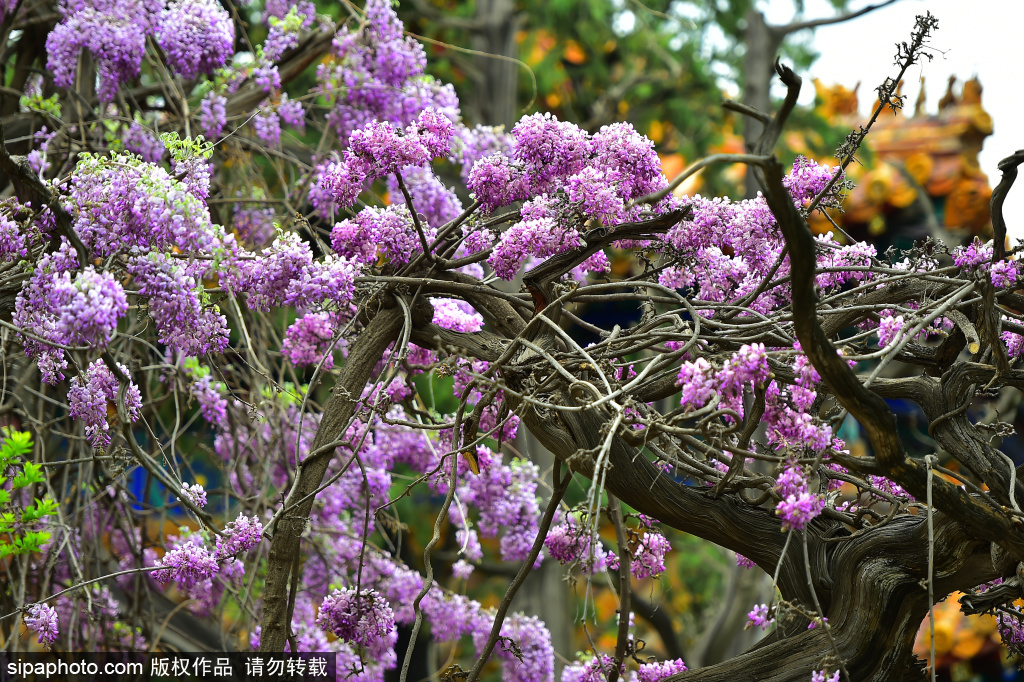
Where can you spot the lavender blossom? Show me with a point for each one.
(42, 619)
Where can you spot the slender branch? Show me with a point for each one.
(1008, 166)
(625, 591)
(560, 485)
(815, 23)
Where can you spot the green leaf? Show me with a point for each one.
(16, 444)
(41, 508)
(49, 105)
(31, 473)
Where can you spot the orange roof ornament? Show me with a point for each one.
(931, 155)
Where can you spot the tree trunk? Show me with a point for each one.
(762, 43)
(497, 82)
(366, 351)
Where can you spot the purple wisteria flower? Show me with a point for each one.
(267, 77)
(822, 676)
(497, 181)
(976, 259)
(649, 556)
(125, 205)
(280, 9)
(292, 112)
(846, 259)
(113, 31)
(184, 323)
(744, 562)
(364, 619)
(378, 74)
(629, 157)
(758, 616)
(194, 172)
(890, 330)
(1014, 344)
(507, 498)
(380, 149)
(213, 115)
(569, 542)
(89, 396)
(435, 131)
(535, 658)
(460, 316)
(798, 505)
(1004, 273)
(87, 309)
(336, 183)
(594, 192)
(283, 34)
(430, 197)
(240, 535)
(140, 140)
(267, 125)
(974, 254)
(539, 234)
(655, 672)
(788, 421)
(451, 616)
(266, 279)
(189, 563)
(694, 378)
(197, 36)
(807, 179)
(308, 339)
(193, 493)
(462, 569)
(42, 619)
(549, 149)
(389, 230)
(595, 669)
(12, 241)
(212, 403)
(481, 142)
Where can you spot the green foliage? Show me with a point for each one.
(187, 147)
(46, 105)
(16, 534)
(287, 395)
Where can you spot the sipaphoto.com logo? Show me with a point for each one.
(74, 666)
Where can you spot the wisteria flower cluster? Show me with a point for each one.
(648, 558)
(94, 395)
(568, 177)
(42, 619)
(361, 618)
(747, 368)
(976, 259)
(571, 542)
(379, 149)
(798, 506)
(194, 493)
(113, 31)
(758, 617)
(64, 311)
